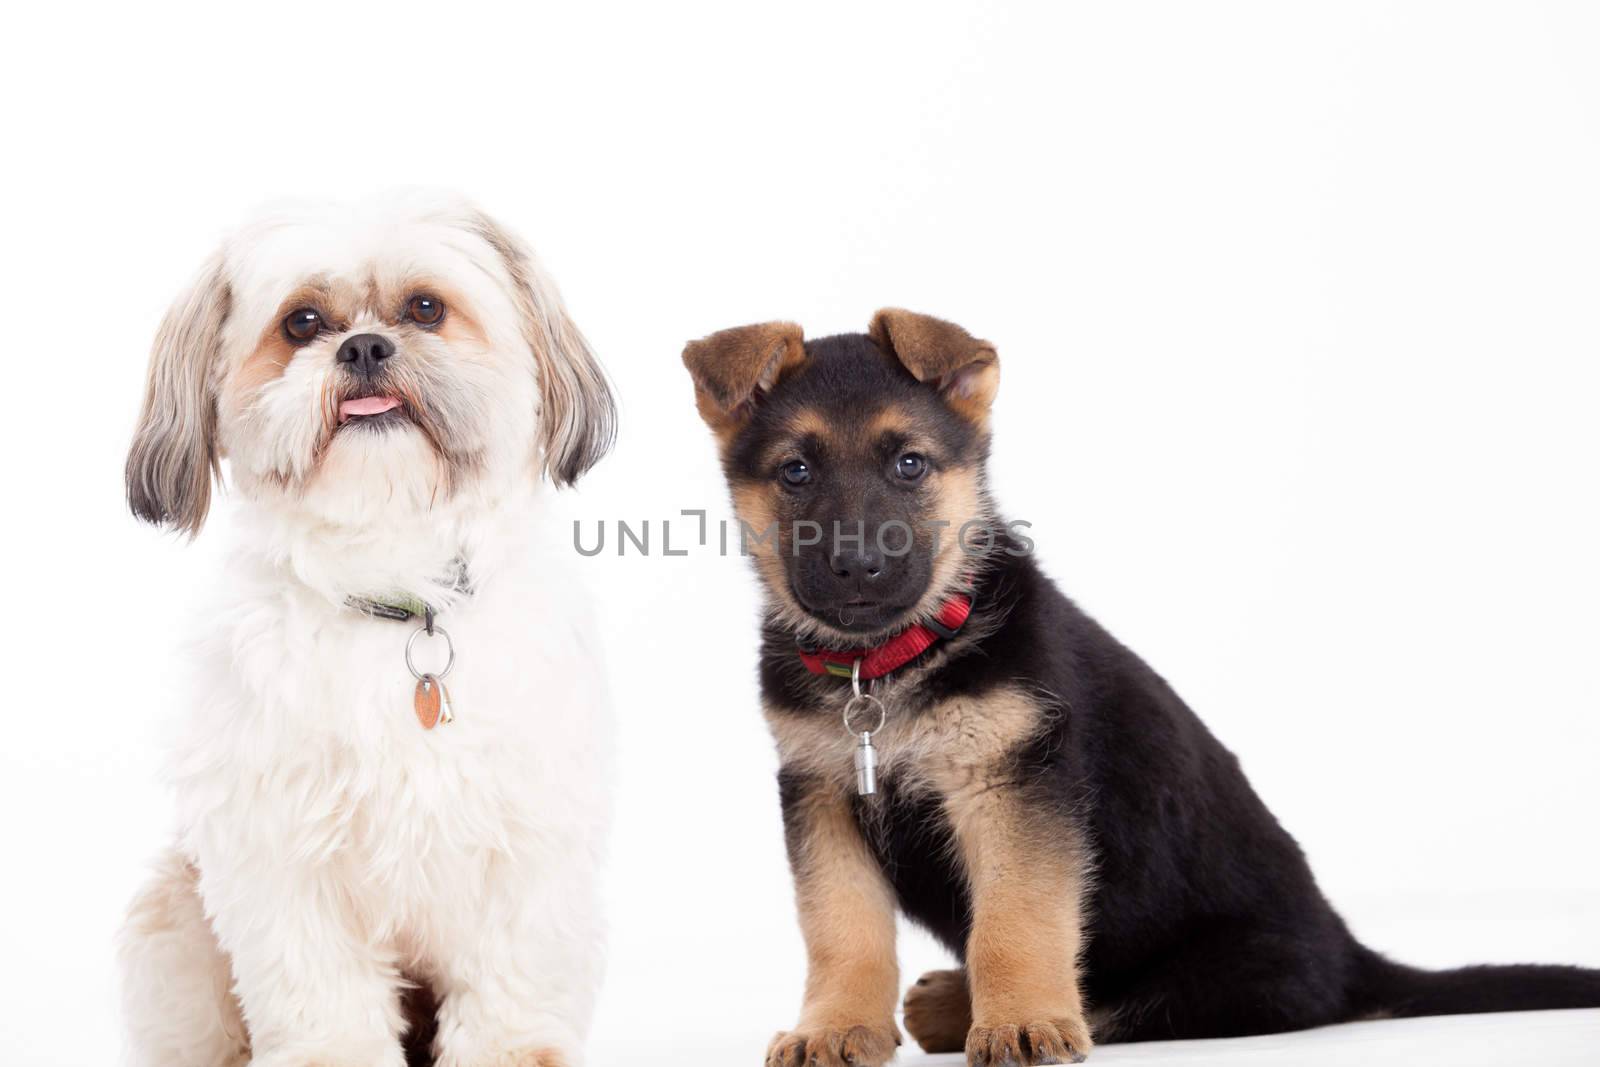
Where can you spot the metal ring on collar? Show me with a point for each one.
(450, 646)
(855, 703)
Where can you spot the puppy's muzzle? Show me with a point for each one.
(365, 354)
(860, 570)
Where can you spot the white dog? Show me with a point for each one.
(371, 865)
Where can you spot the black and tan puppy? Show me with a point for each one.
(1046, 804)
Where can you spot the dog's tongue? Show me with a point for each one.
(366, 405)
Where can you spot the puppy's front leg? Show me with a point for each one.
(312, 990)
(1026, 878)
(847, 914)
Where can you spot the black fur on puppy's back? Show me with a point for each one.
(1204, 917)
(1201, 902)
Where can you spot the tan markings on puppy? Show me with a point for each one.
(847, 916)
(964, 369)
(731, 367)
(753, 503)
(1027, 881)
(892, 422)
(960, 746)
(958, 501)
(809, 423)
(938, 1011)
(762, 538)
(859, 1046)
(767, 539)
(955, 748)
(893, 428)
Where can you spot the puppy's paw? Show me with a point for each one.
(1026, 1044)
(938, 1011)
(844, 1046)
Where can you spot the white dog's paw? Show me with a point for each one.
(309, 1057)
(525, 1057)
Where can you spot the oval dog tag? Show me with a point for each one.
(427, 701)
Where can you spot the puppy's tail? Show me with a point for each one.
(1384, 988)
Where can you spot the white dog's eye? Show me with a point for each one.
(425, 310)
(303, 324)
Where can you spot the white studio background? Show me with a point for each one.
(1297, 307)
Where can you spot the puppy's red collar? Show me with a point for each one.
(895, 652)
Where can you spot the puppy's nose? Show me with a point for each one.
(365, 353)
(862, 563)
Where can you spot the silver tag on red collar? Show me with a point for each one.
(866, 766)
(866, 758)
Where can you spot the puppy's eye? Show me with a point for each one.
(303, 324)
(794, 473)
(425, 310)
(910, 466)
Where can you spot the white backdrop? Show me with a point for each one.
(1297, 311)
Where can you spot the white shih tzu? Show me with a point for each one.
(392, 766)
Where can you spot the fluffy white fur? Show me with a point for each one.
(330, 850)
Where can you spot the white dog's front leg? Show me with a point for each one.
(313, 992)
(519, 984)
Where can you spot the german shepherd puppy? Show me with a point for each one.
(1046, 804)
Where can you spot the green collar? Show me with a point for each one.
(402, 606)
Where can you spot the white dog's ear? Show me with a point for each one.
(578, 415)
(173, 458)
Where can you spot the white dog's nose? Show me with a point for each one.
(365, 353)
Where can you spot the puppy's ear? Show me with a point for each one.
(732, 369)
(577, 411)
(965, 370)
(173, 458)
